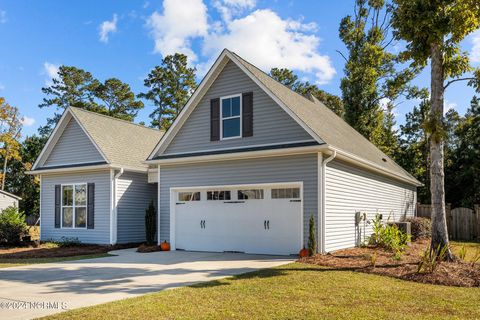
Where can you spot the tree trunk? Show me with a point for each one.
(437, 175)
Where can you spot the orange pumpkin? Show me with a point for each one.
(165, 246)
(304, 253)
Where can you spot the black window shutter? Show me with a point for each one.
(215, 119)
(247, 114)
(90, 205)
(57, 205)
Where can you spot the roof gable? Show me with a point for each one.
(212, 75)
(73, 147)
(124, 143)
(271, 124)
(119, 143)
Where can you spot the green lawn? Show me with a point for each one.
(6, 263)
(471, 247)
(295, 291)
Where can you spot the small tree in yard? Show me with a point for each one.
(150, 224)
(433, 31)
(312, 243)
(12, 226)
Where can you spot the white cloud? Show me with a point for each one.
(51, 70)
(177, 25)
(107, 27)
(2, 87)
(229, 8)
(267, 40)
(27, 121)
(260, 36)
(3, 16)
(475, 53)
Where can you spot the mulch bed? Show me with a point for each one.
(457, 273)
(46, 251)
(144, 248)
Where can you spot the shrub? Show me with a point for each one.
(430, 260)
(312, 243)
(12, 226)
(389, 237)
(150, 224)
(66, 242)
(420, 227)
(462, 254)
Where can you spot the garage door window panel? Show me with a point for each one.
(218, 195)
(189, 196)
(286, 193)
(250, 194)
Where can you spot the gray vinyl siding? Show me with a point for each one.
(349, 190)
(72, 147)
(271, 124)
(6, 201)
(134, 194)
(249, 171)
(101, 232)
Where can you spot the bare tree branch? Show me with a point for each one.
(456, 80)
(342, 55)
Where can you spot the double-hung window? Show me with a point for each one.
(74, 205)
(231, 117)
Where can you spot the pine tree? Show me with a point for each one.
(170, 85)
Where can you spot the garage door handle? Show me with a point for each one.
(265, 224)
(295, 200)
(268, 224)
(202, 224)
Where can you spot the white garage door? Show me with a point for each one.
(264, 219)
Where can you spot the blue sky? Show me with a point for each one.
(125, 39)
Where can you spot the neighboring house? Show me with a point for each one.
(243, 167)
(8, 200)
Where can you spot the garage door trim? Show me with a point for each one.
(173, 201)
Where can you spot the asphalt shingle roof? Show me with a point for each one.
(123, 143)
(325, 123)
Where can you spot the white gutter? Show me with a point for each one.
(114, 211)
(324, 193)
(85, 168)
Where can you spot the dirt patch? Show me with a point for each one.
(458, 273)
(46, 250)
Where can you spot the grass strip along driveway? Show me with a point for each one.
(6, 263)
(295, 291)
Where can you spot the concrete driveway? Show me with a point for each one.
(37, 290)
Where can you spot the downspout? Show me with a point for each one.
(324, 193)
(115, 205)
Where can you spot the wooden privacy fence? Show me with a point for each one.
(462, 223)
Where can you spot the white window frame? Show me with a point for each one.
(234, 117)
(73, 206)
